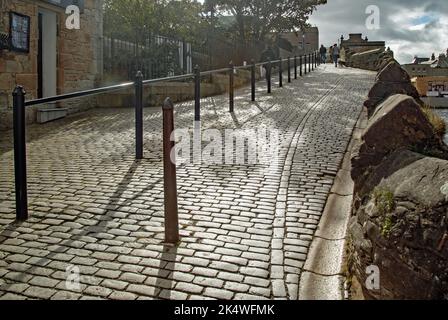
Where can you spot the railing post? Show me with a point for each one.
(280, 73)
(20, 153)
(252, 77)
(295, 67)
(301, 66)
(169, 173)
(312, 61)
(139, 116)
(305, 64)
(289, 70)
(268, 76)
(197, 93)
(231, 87)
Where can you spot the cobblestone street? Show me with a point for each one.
(245, 230)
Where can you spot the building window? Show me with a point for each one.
(19, 30)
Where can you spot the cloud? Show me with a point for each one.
(409, 27)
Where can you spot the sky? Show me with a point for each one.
(409, 27)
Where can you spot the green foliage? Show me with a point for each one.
(384, 200)
(385, 203)
(193, 21)
(137, 20)
(387, 226)
(255, 19)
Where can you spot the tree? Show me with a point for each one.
(137, 20)
(255, 19)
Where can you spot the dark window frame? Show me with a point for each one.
(28, 31)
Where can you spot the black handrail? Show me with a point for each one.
(79, 94)
(122, 86)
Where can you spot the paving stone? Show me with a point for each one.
(40, 293)
(121, 295)
(218, 293)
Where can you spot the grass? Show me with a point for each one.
(385, 203)
(384, 200)
(437, 122)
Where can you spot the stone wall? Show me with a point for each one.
(79, 55)
(155, 94)
(399, 218)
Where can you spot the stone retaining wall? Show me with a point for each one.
(399, 224)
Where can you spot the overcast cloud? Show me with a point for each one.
(409, 27)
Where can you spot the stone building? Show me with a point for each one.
(361, 52)
(430, 77)
(46, 57)
(356, 44)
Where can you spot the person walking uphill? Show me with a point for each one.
(336, 54)
(323, 54)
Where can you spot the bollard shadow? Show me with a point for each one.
(235, 120)
(255, 103)
(9, 230)
(165, 275)
(102, 222)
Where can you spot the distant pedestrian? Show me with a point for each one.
(323, 54)
(330, 50)
(336, 53)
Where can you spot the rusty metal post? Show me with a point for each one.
(139, 116)
(252, 78)
(197, 93)
(231, 87)
(20, 153)
(169, 173)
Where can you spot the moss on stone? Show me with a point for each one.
(384, 200)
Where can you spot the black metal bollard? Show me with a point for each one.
(20, 153)
(252, 78)
(139, 116)
(280, 73)
(269, 76)
(197, 93)
(301, 66)
(289, 70)
(295, 67)
(305, 64)
(231, 87)
(312, 61)
(169, 173)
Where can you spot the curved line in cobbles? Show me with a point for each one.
(278, 274)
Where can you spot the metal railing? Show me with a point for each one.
(307, 63)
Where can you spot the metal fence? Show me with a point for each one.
(158, 57)
(294, 67)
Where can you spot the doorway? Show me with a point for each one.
(47, 54)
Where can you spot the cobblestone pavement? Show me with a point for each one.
(245, 230)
